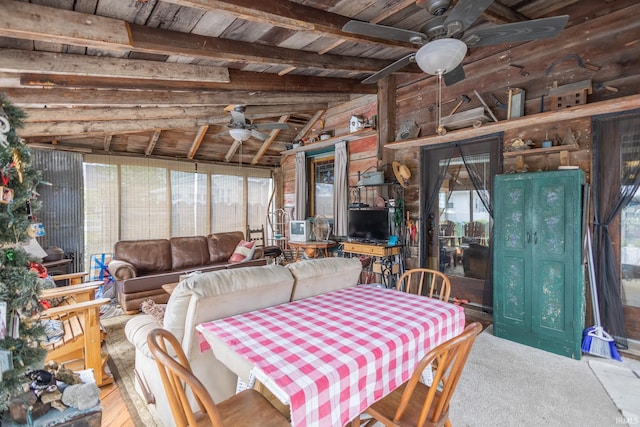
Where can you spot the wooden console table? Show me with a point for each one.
(371, 249)
(312, 246)
(382, 254)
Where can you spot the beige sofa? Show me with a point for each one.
(217, 294)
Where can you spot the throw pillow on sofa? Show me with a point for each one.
(243, 252)
(156, 310)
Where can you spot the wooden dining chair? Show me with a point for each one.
(247, 408)
(415, 404)
(435, 283)
(260, 237)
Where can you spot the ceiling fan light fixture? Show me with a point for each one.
(240, 134)
(441, 56)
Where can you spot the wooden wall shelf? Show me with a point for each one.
(586, 110)
(332, 141)
(539, 151)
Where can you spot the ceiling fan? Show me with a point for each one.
(242, 129)
(443, 41)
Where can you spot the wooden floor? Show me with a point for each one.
(114, 411)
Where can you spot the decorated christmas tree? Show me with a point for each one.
(20, 331)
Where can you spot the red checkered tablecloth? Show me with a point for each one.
(335, 354)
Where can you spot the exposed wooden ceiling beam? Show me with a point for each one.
(107, 141)
(35, 115)
(73, 117)
(195, 145)
(33, 22)
(286, 14)
(267, 143)
(240, 80)
(312, 121)
(99, 128)
(232, 150)
(376, 20)
(33, 97)
(152, 142)
(22, 61)
(165, 42)
(498, 14)
(76, 28)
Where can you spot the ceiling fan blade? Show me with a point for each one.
(454, 76)
(383, 32)
(466, 12)
(220, 134)
(517, 32)
(270, 126)
(400, 63)
(256, 134)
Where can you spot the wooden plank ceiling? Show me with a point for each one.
(153, 78)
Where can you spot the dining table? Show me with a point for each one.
(331, 356)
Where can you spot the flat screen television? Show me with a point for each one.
(369, 225)
(300, 231)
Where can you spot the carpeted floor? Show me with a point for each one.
(508, 384)
(121, 362)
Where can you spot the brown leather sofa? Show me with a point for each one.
(141, 267)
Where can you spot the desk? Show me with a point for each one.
(312, 246)
(333, 355)
(384, 253)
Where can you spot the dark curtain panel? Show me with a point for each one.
(615, 181)
(478, 172)
(432, 187)
(434, 192)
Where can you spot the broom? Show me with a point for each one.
(595, 340)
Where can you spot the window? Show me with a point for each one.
(630, 227)
(259, 191)
(322, 179)
(227, 210)
(188, 204)
(134, 198)
(144, 213)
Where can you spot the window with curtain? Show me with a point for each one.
(615, 180)
(101, 206)
(188, 204)
(630, 224)
(144, 212)
(322, 180)
(135, 198)
(258, 193)
(228, 208)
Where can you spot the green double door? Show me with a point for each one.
(538, 276)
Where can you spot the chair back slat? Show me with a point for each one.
(258, 235)
(177, 378)
(434, 283)
(447, 361)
